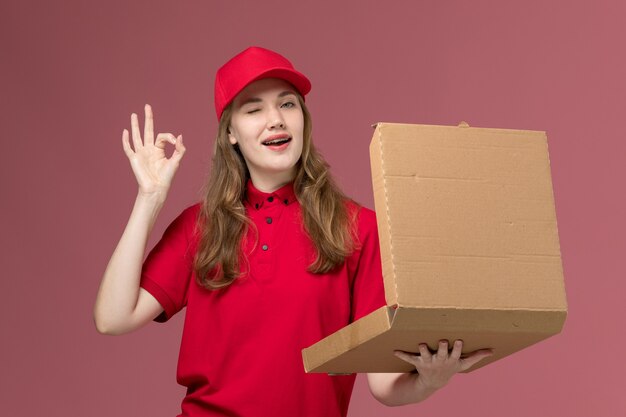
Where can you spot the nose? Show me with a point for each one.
(275, 119)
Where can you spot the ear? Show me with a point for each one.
(231, 138)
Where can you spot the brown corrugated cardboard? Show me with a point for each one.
(469, 247)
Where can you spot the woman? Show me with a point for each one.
(272, 260)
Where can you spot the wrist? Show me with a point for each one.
(157, 197)
(424, 386)
(150, 203)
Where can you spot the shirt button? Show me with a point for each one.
(256, 205)
(264, 247)
(286, 201)
(270, 199)
(268, 220)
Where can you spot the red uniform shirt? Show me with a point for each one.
(240, 352)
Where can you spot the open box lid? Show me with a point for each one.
(466, 217)
(469, 247)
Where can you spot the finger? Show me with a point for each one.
(148, 127)
(475, 357)
(457, 349)
(180, 149)
(442, 352)
(125, 144)
(164, 137)
(424, 352)
(407, 357)
(134, 123)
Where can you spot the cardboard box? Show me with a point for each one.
(469, 247)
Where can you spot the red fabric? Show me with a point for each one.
(241, 347)
(251, 64)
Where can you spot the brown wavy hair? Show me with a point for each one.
(223, 223)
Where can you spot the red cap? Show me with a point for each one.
(254, 63)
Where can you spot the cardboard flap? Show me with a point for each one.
(453, 199)
(350, 337)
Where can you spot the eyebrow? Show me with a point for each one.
(257, 100)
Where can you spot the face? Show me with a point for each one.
(268, 125)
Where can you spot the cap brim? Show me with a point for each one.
(302, 83)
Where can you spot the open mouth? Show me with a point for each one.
(277, 142)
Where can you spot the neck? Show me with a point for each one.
(271, 183)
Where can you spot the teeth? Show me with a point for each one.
(276, 141)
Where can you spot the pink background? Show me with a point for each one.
(72, 75)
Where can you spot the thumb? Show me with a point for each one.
(475, 357)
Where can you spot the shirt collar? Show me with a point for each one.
(257, 198)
